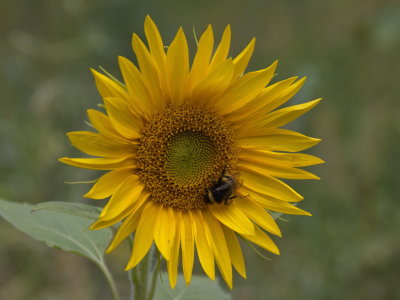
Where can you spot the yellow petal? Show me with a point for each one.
(143, 234)
(128, 192)
(102, 123)
(285, 115)
(187, 243)
(214, 84)
(106, 221)
(164, 230)
(276, 139)
(285, 159)
(108, 183)
(232, 217)
(275, 170)
(127, 227)
(218, 243)
(97, 145)
(202, 57)
(123, 119)
(267, 185)
(172, 263)
(263, 240)
(271, 98)
(253, 110)
(177, 67)
(223, 48)
(258, 214)
(245, 89)
(154, 39)
(141, 100)
(271, 203)
(204, 249)
(149, 71)
(100, 163)
(235, 252)
(287, 94)
(107, 87)
(241, 61)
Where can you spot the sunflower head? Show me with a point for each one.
(194, 153)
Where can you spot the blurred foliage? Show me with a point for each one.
(349, 50)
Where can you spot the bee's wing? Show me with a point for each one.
(239, 183)
(223, 191)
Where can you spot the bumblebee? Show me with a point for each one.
(221, 190)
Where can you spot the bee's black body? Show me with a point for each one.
(221, 190)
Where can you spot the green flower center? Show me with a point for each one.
(190, 155)
(184, 149)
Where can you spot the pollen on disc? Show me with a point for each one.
(182, 151)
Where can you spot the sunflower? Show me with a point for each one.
(194, 153)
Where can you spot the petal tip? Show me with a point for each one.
(131, 264)
(94, 226)
(302, 80)
(63, 159)
(180, 31)
(127, 268)
(317, 140)
(135, 38)
(318, 100)
(230, 285)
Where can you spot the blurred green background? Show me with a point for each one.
(349, 249)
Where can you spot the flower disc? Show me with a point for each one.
(182, 151)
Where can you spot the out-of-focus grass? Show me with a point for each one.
(350, 52)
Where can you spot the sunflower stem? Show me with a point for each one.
(143, 272)
(154, 277)
(139, 275)
(134, 283)
(133, 276)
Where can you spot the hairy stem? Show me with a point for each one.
(154, 277)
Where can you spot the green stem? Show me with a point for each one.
(139, 278)
(134, 282)
(154, 277)
(110, 280)
(133, 276)
(144, 272)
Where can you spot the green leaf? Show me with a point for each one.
(64, 231)
(71, 208)
(200, 288)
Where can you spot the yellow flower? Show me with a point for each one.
(194, 152)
